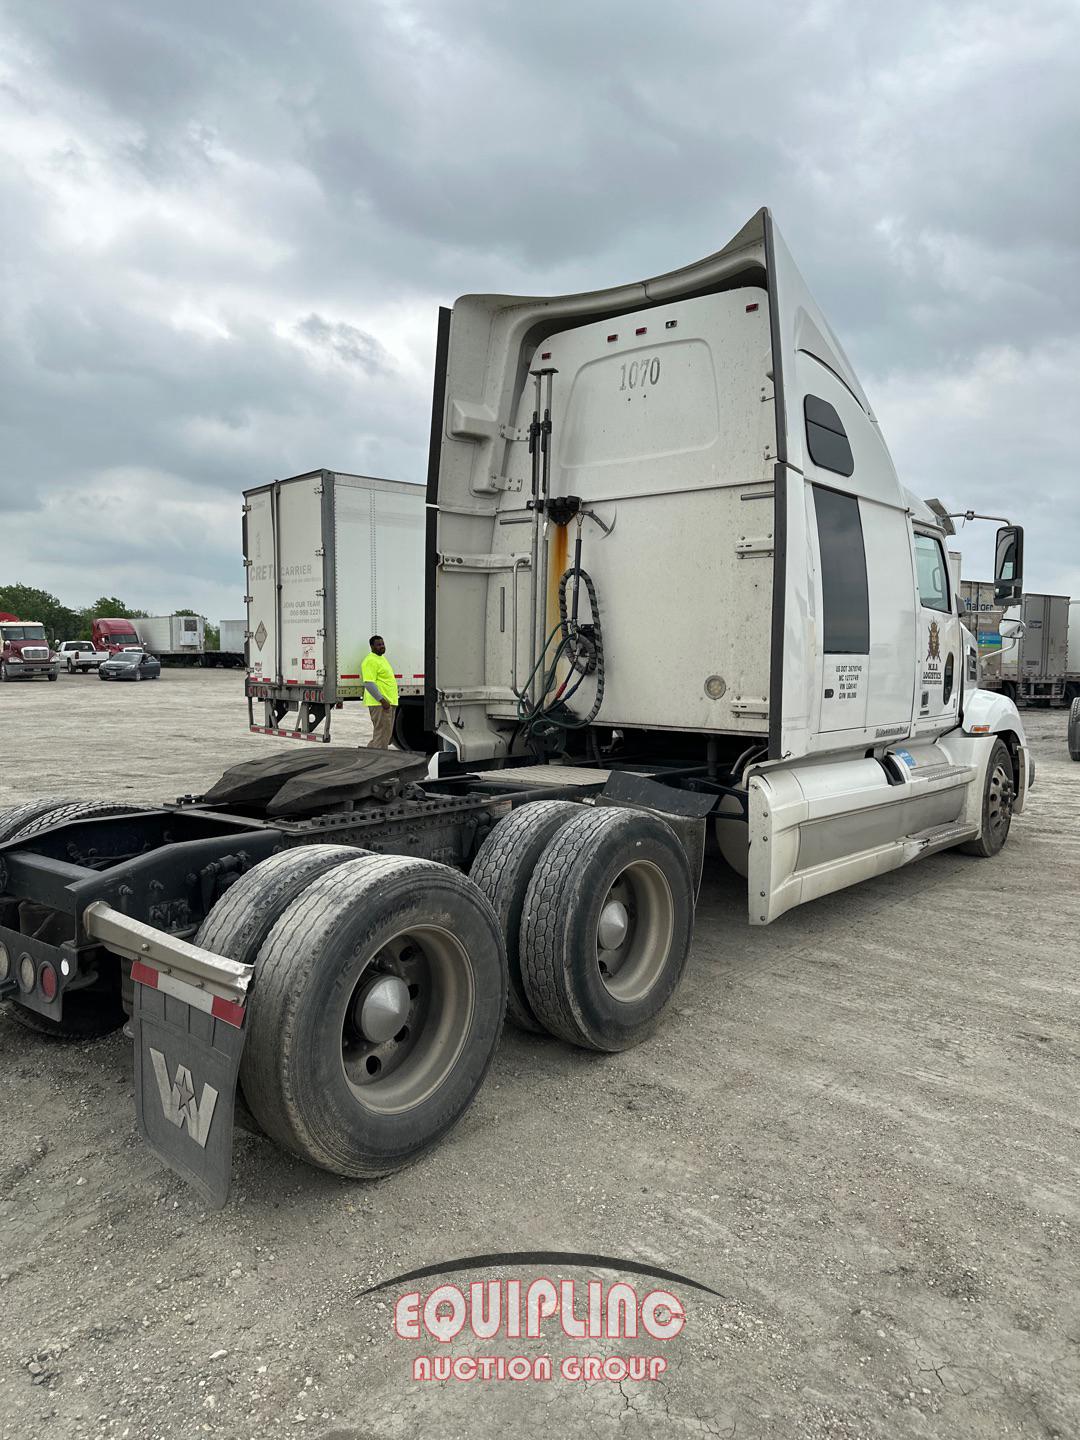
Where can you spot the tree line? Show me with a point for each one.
(63, 623)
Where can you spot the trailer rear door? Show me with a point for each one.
(378, 579)
(260, 558)
(301, 626)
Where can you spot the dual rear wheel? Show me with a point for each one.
(597, 907)
(377, 1006)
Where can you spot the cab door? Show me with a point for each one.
(939, 653)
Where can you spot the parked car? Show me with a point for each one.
(79, 656)
(130, 665)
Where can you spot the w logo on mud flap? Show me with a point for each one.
(178, 1099)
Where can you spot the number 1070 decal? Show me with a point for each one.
(639, 373)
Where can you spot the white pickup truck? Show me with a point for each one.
(79, 656)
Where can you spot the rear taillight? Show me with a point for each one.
(5, 962)
(26, 973)
(48, 981)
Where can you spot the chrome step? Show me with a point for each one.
(940, 835)
(929, 774)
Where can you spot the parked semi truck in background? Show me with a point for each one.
(25, 653)
(113, 634)
(331, 560)
(673, 586)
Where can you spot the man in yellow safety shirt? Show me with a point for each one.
(380, 693)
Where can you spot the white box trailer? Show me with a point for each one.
(231, 635)
(1033, 663)
(172, 637)
(331, 560)
(231, 646)
(1072, 654)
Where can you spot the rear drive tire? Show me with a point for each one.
(503, 868)
(88, 1015)
(13, 820)
(998, 792)
(606, 928)
(1074, 729)
(239, 923)
(377, 942)
(73, 810)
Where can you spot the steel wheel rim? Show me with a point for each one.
(402, 1071)
(630, 969)
(1000, 798)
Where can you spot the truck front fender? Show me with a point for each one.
(988, 713)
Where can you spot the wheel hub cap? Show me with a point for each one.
(614, 923)
(383, 1009)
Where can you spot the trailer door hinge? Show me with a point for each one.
(245, 509)
(248, 562)
(513, 432)
(746, 547)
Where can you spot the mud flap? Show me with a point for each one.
(189, 1020)
(186, 1065)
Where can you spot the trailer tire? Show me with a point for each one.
(73, 810)
(606, 928)
(361, 1102)
(1074, 729)
(503, 868)
(240, 921)
(998, 792)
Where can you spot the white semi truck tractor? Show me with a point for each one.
(679, 612)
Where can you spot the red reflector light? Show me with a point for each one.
(640, 331)
(751, 307)
(47, 980)
(610, 338)
(546, 355)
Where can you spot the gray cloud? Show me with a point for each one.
(227, 229)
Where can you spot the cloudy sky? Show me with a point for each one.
(226, 229)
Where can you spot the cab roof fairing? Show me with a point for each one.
(493, 338)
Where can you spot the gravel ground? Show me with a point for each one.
(859, 1126)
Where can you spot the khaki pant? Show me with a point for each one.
(382, 722)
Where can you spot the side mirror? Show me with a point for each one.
(1009, 565)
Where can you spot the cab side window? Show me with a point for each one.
(844, 594)
(933, 572)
